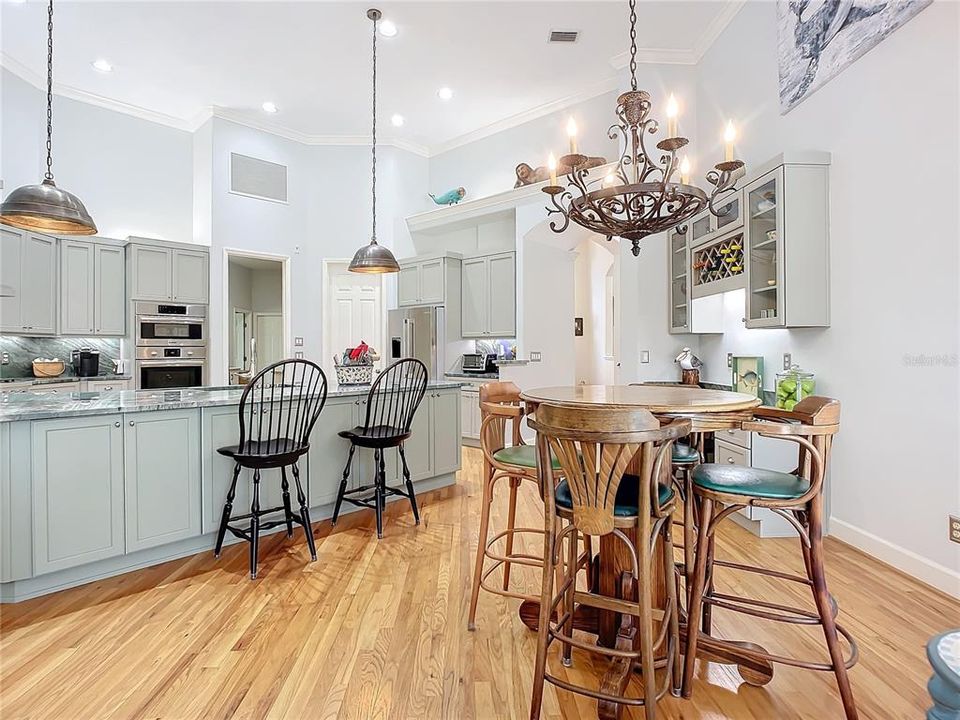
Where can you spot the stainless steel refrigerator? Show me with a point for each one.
(419, 333)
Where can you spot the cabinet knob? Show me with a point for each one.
(116, 424)
(131, 423)
(730, 460)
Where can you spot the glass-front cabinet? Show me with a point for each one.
(679, 301)
(765, 231)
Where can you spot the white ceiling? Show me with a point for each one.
(177, 60)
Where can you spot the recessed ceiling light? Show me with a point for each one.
(269, 107)
(102, 65)
(397, 120)
(444, 93)
(387, 28)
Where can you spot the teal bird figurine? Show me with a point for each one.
(451, 197)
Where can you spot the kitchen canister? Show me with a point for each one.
(794, 385)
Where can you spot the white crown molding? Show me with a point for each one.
(716, 27)
(601, 88)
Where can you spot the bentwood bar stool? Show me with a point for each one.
(721, 490)
(278, 409)
(391, 405)
(597, 497)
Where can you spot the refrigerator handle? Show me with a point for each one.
(408, 332)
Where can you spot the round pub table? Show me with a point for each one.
(708, 411)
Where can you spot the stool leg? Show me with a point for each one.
(377, 493)
(287, 513)
(707, 622)
(573, 550)
(588, 551)
(343, 485)
(674, 619)
(543, 626)
(383, 477)
(255, 524)
(481, 546)
(409, 484)
(227, 510)
(304, 513)
(645, 592)
(689, 533)
(822, 598)
(511, 522)
(696, 595)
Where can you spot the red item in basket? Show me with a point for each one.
(359, 351)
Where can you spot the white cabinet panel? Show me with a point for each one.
(474, 289)
(11, 253)
(502, 293)
(110, 296)
(408, 285)
(446, 431)
(152, 273)
(191, 276)
(76, 287)
(38, 271)
(431, 282)
(328, 451)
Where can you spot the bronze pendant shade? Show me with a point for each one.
(45, 207)
(374, 258)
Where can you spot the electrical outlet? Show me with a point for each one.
(298, 355)
(787, 361)
(4, 358)
(298, 342)
(535, 357)
(644, 356)
(955, 528)
(729, 360)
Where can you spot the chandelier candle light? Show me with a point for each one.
(639, 196)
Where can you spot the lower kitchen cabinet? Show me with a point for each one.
(445, 417)
(328, 451)
(77, 469)
(161, 458)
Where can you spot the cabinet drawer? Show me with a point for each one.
(729, 454)
(735, 436)
(107, 385)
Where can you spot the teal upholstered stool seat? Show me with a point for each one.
(683, 454)
(627, 496)
(521, 456)
(943, 651)
(748, 481)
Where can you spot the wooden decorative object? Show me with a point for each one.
(527, 175)
(690, 377)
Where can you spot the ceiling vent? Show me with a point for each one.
(258, 178)
(563, 36)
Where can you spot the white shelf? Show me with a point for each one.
(764, 244)
(763, 213)
(768, 288)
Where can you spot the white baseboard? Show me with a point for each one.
(939, 576)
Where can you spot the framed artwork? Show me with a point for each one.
(817, 39)
(748, 375)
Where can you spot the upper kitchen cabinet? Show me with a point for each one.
(788, 240)
(165, 272)
(28, 272)
(685, 314)
(92, 288)
(428, 280)
(489, 296)
(716, 250)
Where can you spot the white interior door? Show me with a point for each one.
(268, 331)
(240, 339)
(356, 314)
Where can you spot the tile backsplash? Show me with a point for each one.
(23, 350)
(506, 348)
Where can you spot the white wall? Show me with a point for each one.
(590, 274)
(135, 177)
(891, 121)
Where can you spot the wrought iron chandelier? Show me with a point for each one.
(374, 258)
(45, 207)
(638, 197)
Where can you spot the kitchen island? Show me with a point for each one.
(98, 484)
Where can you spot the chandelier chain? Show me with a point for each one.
(49, 174)
(633, 45)
(374, 186)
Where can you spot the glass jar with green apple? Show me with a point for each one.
(794, 385)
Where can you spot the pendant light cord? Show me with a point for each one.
(633, 45)
(49, 173)
(374, 235)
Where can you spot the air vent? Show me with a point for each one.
(258, 178)
(563, 36)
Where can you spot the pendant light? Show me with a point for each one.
(45, 207)
(374, 258)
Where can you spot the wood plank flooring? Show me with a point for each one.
(378, 630)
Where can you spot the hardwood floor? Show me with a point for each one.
(378, 630)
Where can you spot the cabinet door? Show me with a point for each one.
(418, 447)
(191, 278)
(106, 386)
(329, 451)
(161, 461)
(11, 253)
(77, 491)
(502, 294)
(408, 285)
(765, 269)
(445, 430)
(76, 287)
(109, 296)
(38, 270)
(431, 281)
(466, 413)
(474, 305)
(152, 273)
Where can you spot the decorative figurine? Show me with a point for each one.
(451, 197)
(527, 175)
(690, 366)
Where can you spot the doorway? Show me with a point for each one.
(256, 308)
(356, 313)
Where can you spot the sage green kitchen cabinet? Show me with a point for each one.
(489, 296)
(28, 269)
(92, 289)
(445, 420)
(418, 448)
(408, 285)
(151, 273)
(77, 472)
(431, 282)
(191, 276)
(161, 458)
(428, 280)
(329, 451)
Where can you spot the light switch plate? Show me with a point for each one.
(955, 529)
(535, 357)
(298, 342)
(298, 355)
(787, 361)
(729, 360)
(644, 356)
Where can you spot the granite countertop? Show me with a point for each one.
(25, 406)
(471, 376)
(62, 379)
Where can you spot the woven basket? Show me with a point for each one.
(354, 374)
(48, 369)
